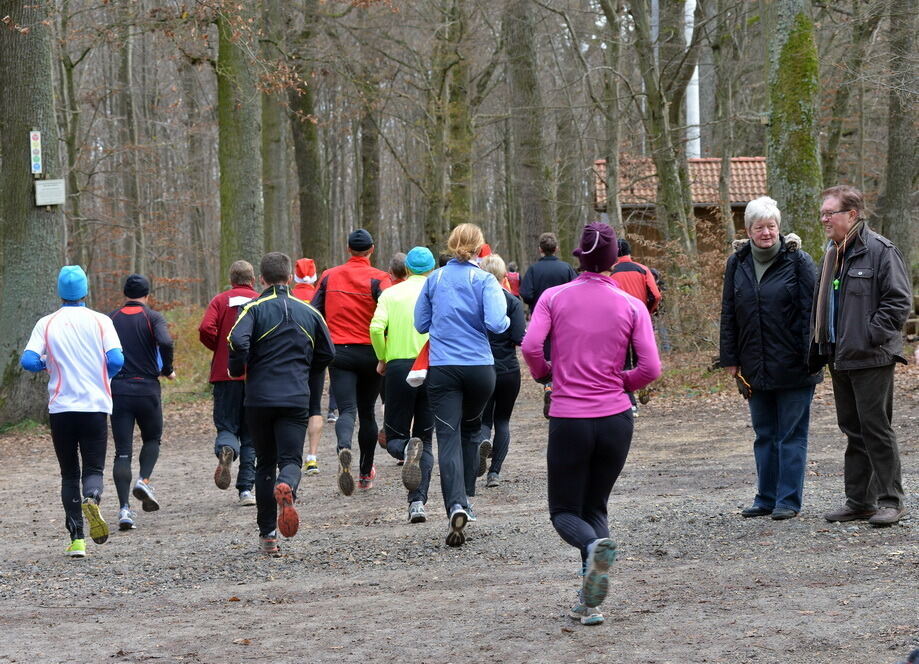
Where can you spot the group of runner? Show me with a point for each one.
(438, 345)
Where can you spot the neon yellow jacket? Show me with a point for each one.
(392, 328)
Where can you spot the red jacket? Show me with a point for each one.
(215, 327)
(304, 286)
(513, 278)
(637, 280)
(347, 297)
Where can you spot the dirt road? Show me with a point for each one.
(694, 583)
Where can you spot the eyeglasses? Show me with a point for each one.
(828, 214)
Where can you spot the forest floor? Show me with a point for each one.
(695, 582)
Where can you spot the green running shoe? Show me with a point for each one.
(98, 528)
(77, 549)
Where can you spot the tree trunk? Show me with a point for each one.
(133, 211)
(612, 111)
(898, 203)
(275, 141)
(459, 121)
(529, 169)
(724, 54)
(31, 238)
(239, 153)
(794, 175)
(315, 220)
(435, 225)
(369, 196)
(863, 29)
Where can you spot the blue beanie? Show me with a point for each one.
(71, 283)
(419, 260)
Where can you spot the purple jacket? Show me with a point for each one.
(591, 323)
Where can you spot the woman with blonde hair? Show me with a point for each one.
(459, 304)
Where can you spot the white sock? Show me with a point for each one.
(310, 457)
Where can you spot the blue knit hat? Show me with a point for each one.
(71, 283)
(419, 260)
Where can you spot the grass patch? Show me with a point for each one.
(192, 360)
(23, 427)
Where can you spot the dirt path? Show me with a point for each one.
(694, 583)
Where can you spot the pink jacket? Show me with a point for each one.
(591, 322)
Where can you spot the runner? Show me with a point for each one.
(408, 422)
(136, 397)
(458, 305)
(80, 350)
(276, 343)
(347, 296)
(591, 323)
(233, 440)
(507, 379)
(304, 289)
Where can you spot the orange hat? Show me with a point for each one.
(305, 271)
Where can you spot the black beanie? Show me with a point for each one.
(136, 285)
(360, 240)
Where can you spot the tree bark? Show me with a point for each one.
(898, 216)
(275, 141)
(31, 238)
(239, 153)
(794, 175)
(459, 120)
(133, 211)
(369, 196)
(724, 55)
(612, 111)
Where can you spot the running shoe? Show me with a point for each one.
(493, 480)
(470, 513)
(77, 549)
(411, 471)
(246, 498)
(381, 439)
(484, 452)
(98, 528)
(600, 555)
(311, 467)
(288, 519)
(222, 474)
(416, 513)
(126, 518)
(332, 418)
(587, 615)
(269, 544)
(458, 519)
(144, 493)
(366, 481)
(345, 481)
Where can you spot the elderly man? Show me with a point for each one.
(861, 302)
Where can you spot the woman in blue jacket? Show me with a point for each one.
(459, 304)
(768, 289)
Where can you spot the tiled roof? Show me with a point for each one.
(638, 180)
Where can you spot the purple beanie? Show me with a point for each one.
(598, 250)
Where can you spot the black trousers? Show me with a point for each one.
(278, 434)
(145, 411)
(497, 414)
(458, 395)
(864, 410)
(79, 437)
(356, 385)
(408, 414)
(584, 459)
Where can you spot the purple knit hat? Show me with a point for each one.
(598, 250)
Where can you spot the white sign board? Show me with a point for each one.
(49, 192)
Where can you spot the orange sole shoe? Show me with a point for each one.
(288, 519)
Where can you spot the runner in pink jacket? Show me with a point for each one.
(591, 324)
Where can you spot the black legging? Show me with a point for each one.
(498, 414)
(408, 414)
(458, 395)
(278, 434)
(584, 458)
(147, 412)
(356, 385)
(76, 437)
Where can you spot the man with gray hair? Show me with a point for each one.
(862, 299)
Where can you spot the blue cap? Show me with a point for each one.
(71, 283)
(419, 260)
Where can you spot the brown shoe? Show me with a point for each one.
(886, 516)
(846, 513)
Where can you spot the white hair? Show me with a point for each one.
(760, 209)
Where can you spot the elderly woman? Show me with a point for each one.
(768, 289)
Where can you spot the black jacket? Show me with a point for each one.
(545, 273)
(764, 326)
(147, 347)
(875, 299)
(504, 345)
(277, 342)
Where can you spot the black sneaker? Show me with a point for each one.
(484, 452)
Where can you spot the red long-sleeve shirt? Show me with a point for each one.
(347, 297)
(216, 325)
